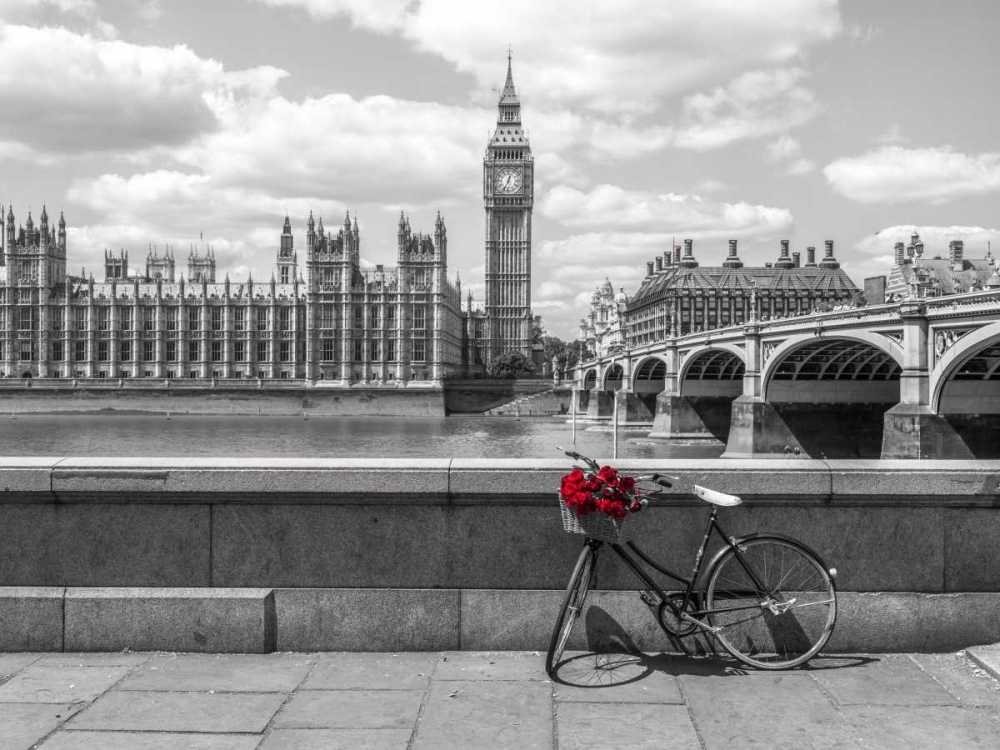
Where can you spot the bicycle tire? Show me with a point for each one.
(785, 624)
(572, 606)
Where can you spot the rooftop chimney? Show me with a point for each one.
(649, 268)
(733, 260)
(795, 259)
(667, 259)
(956, 251)
(900, 253)
(784, 261)
(688, 261)
(810, 256)
(659, 263)
(828, 260)
(677, 255)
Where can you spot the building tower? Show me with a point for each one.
(201, 268)
(508, 194)
(287, 260)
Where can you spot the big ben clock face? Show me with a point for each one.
(507, 180)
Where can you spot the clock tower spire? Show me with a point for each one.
(508, 196)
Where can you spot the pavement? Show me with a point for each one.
(146, 701)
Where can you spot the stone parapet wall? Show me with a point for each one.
(904, 536)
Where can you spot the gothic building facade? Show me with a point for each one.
(324, 316)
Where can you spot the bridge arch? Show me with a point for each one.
(975, 356)
(713, 371)
(649, 375)
(833, 391)
(613, 377)
(858, 356)
(590, 379)
(965, 388)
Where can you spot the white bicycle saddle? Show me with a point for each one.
(715, 497)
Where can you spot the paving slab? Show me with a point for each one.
(987, 657)
(486, 714)
(344, 671)
(93, 659)
(351, 709)
(958, 675)
(614, 678)
(138, 711)
(86, 740)
(581, 725)
(491, 665)
(336, 739)
(13, 663)
(885, 680)
(271, 673)
(41, 684)
(924, 727)
(24, 724)
(763, 710)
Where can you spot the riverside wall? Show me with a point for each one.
(181, 398)
(478, 396)
(220, 554)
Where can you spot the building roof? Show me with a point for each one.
(808, 279)
(941, 273)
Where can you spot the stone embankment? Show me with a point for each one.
(259, 555)
(549, 403)
(271, 398)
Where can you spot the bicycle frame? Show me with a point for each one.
(682, 612)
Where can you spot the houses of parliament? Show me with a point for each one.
(321, 316)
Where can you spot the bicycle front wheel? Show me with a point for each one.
(576, 594)
(773, 601)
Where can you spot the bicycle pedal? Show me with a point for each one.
(647, 599)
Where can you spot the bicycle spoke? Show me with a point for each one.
(785, 620)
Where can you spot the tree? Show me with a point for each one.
(510, 365)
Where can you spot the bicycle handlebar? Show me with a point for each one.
(660, 479)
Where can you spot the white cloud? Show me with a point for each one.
(377, 149)
(754, 105)
(786, 154)
(623, 56)
(612, 207)
(893, 174)
(67, 93)
(892, 135)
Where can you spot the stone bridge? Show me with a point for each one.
(912, 379)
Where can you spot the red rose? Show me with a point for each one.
(626, 483)
(608, 475)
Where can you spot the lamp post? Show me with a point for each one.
(621, 304)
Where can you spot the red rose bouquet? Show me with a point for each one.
(605, 491)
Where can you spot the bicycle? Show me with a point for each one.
(769, 600)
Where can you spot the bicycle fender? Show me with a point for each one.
(768, 535)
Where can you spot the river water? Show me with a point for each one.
(327, 437)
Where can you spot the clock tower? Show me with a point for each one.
(508, 194)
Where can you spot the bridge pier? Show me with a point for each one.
(600, 403)
(634, 408)
(758, 431)
(677, 419)
(911, 429)
(916, 431)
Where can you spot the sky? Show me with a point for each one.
(204, 122)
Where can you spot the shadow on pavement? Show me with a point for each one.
(614, 659)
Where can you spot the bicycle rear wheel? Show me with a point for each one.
(774, 602)
(576, 594)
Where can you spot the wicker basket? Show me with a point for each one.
(595, 525)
